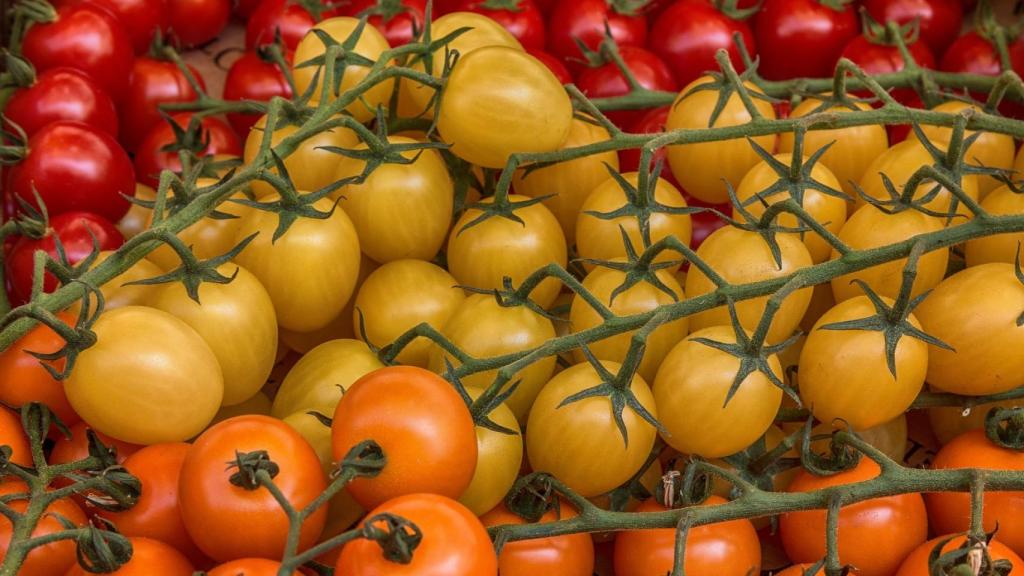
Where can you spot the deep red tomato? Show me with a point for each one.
(75, 231)
(553, 64)
(940, 20)
(85, 37)
(291, 19)
(151, 159)
(245, 8)
(818, 31)
(585, 20)
(880, 58)
(521, 18)
(689, 33)
(253, 78)
(651, 122)
(607, 80)
(75, 167)
(140, 18)
(153, 82)
(195, 22)
(398, 21)
(62, 94)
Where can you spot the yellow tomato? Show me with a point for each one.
(998, 247)
(950, 422)
(991, 149)
(137, 218)
(117, 293)
(499, 457)
(318, 380)
(258, 404)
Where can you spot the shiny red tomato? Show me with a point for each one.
(607, 80)
(253, 78)
(62, 94)
(940, 20)
(972, 53)
(85, 37)
(397, 20)
(877, 57)
(815, 30)
(553, 64)
(140, 18)
(650, 122)
(689, 33)
(151, 159)
(153, 82)
(195, 22)
(522, 18)
(271, 17)
(75, 231)
(74, 167)
(245, 8)
(585, 20)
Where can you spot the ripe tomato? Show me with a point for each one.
(949, 422)
(247, 567)
(499, 457)
(586, 21)
(651, 122)
(310, 271)
(569, 182)
(176, 389)
(153, 82)
(606, 80)
(228, 521)
(939, 20)
(273, 17)
(62, 94)
(400, 21)
(688, 34)
(819, 30)
(74, 167)
(116, 292)
(874, 535)
(136, 220)
(195, 22)
(85, 37)
(149, 558)
(889, 437)
(318, 378)
(55, 558)
(997, 247)
(76, 232)
(728, 548)
(566, 555)
(431, 448)
(701, 167)
(522, 18)
(916, 564)
(76, 447)
(151, 158)
(878, 57)
(969, 311)
(454, 542)
(140, 18)
(252, 78)
(501, 89)
(973, 53)
(843, 373)
(13, 436)
(483, 255)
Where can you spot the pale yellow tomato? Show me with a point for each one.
(499, 457)
(991, 149)
(318, 380)
(998, 247)
(117, 292)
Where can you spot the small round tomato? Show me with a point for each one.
(400, 21)
(62, 94)
(948, 422)
(565, 555)
(970, 311)
(208, 237)
(586, 21)
(819, 29)
(153, 82)
(607, 80)
(54, 558)
(499, 457)
(553, 64)
(117, 293)
(689, 33)
(521, 18)
(875, 56)
(917, 562)
(140, 18)
(176, 389)
(482, 255)
(997, 247)
(277, 17)
(228, 521)
(500, 89)
(874, 535)
(431, 448)
(248, 567)
(23, 378)
(318, 379)
(651, 122)
(149, 558)
(76, 447)
(195, 22)
(12, 435)
(701, 167)
(151, 158)
(252, 78)
(454, 542)
(939, 20)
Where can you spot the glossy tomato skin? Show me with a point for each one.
(23, 379)
(399, 28)
(566, 555)
(875, 58)
(74, 167)
(247, 567)
(140, 18)
(553, 64)
(74, 448)
(499, 459)
(13, 436)
(253, 78)
(525, 22)
(974, 54)
(85, 37)
(271, 17)
(151, 159)
(195, 22)
(650, 122)
(75, 231)
(454, 542)
(940, 20)
(62, 94)
(153, 82)
(149, 558)
(688, 33)
(228, 521)
(816, 30)
(916, 563)
(55, 558)
(607, 80)
(585, 20)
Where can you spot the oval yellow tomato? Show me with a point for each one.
(998, 247)
(499, 457)
(319, 379)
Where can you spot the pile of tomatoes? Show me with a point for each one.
(364, 286)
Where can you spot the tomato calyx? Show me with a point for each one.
(1005, 427)
(76, 338)
(533, 496)
(888, 33)
(628, 7)
(37, 11)
(101, 549)
(193, 272)
(727, 83)
(366, 459)
(336, 58)
(759, 466)
(732, 10)
(971, 558)
(254, 469)
(396, 536)
(836, 5)
(489, 401)
(20, 72)
(841, 456)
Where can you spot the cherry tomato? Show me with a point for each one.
(76, 447)
(939, 20)
(553, 64)
(62, 94)
(153, 82)
(585, 21)
(819, 30)
(521, 18)
(400, 21)
(948, 422)
(23, 378)
(149, 558)
(195, 22)
(140, 18)
(650, 122)
(688, 34)
(566, 555)
(151, 159)
(916, 563)
(273, 17)
(499, 459)
(875, 57)
(997, 247)
(318, 378)
(12, 435)
(252, 78)
(54, 558)
(247, 567)
(607, 80)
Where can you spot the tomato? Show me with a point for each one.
(117, 293)
(399, 210)
(258, 404)
(740, 256)
(874, 535)
(370, 44)
(570, 182)
(499, 456)
(398, 296)
(949, 422)
(586, 21)
(483, 255)
(522, 18)
(12, 435)
(997, 247)
(76, 232)
(553, 64)
(651, 122)
(310, 271)
(76, 447)
(141, 19)
(236, 320)
(607, 80)
(310, 166)
(247, 567)
(228, 521)
(844, 374)
(430, 448)
(209, 237)
(852, 149)
(273, 17)
(498, 88)
(828, 210)
(939, 20)
(85, 37)
(688, 34)
(699, 168)
(62, 94)
(566, 555)
(400, 21)
(74, 167)
(970, 311)
(819, 31)
(870, 227)
(151, 157)
(876, 56)
(916, 563)
(149, 558)
(579, 443)
(728, 548)
(454, 542)
(317, 379)
(136, 220)
(153, 82)
(176, 389)
(252, 78)
(195, 22)
(54, 558)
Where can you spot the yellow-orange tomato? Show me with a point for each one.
(118, 292)
(889, 437)
(998, 247)
(991, 149)
(499, 456)
(137, 218)
(318, 380)
(258, 404)
(948, 422)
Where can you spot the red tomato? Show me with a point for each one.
(153, 82)
(23, 379)
(140, 18)
(651, 122)
(62, 94)
(149, 558)
(75, 167)
(85, 37)
(253, 78)
(553, 64)
(607, 80)
(245, 8)
(150, 159)
(940, 20)
(816, 30)
(289, 19)
(195, 22)
(397, 26)
(521, 18)
(879, 58)
(689, 32)
(972, 53)
(75, 231)
(585, 20)
(566, 555)
(51, 559)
